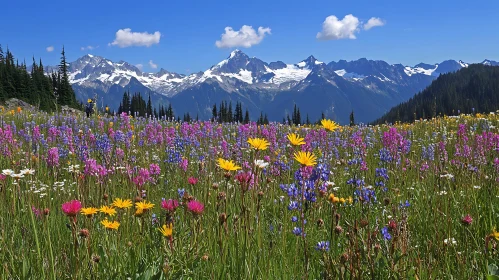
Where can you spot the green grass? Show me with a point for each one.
(255, 240)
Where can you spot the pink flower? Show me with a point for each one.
(2, 177)
(195, 207)
(71, 208)
(154, 169)
(53, 157)
(192, 180)
(169, 205)
(467, 220)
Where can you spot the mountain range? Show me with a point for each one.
(368, 87)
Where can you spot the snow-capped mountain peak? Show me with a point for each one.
(309, 62)
(490, 62)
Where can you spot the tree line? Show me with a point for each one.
(47, 91)
(469, 90)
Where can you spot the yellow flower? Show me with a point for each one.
(166, 230)
(350, 200)
(143, 206)
(258, 143)
(296, 140)
(110, 225)
(495, 234)
(108, 210)
(139, 212)
(122, 203)
(228, 165)
(89, 100)
(107, 108)
(111, 124)
(331, 197)
(329, 125)
(305, 158)
(342, 200)
(89, 211)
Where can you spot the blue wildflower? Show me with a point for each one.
(386, 234)
(297, 231)
(322, 246)
(181, 192)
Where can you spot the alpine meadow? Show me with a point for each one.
(243, 160)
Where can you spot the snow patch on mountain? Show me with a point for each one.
(243, 75)
(354, 76)
(409, 71)
(288, 74)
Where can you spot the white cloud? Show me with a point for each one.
(88, 48)
(50, 48)
(153, 66)
(127, 38)
(335, 29)
(373, 22)
(245, 37)
(140, 66)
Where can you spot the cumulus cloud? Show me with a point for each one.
(373, 22)
(140, 66)
(336, 29)
(127, 38)
(88, 48)
(246, 37)
(153, 66)
(50, 48)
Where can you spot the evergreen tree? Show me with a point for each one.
(66, 95)
(246, 117)
(230, 114)
(169, 112)
(214, 114)
(352, 119)
(149, 106)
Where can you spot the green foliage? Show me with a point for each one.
(36, 88)
(469, 90)
(247, 233)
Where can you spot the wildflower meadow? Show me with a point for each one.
(118, 197)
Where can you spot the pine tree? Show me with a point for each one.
(352, 119)
(246, 117)
(169, 112)
(66, 95)
(230, 114)
(214, 113)
(149, 106)
(298, 117)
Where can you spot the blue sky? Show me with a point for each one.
(411, 31)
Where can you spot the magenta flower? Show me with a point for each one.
(467, 220)
(71, 208)
(169, 205)
(195, 207)
(154, 169)
(192, 180)
(53, 157)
